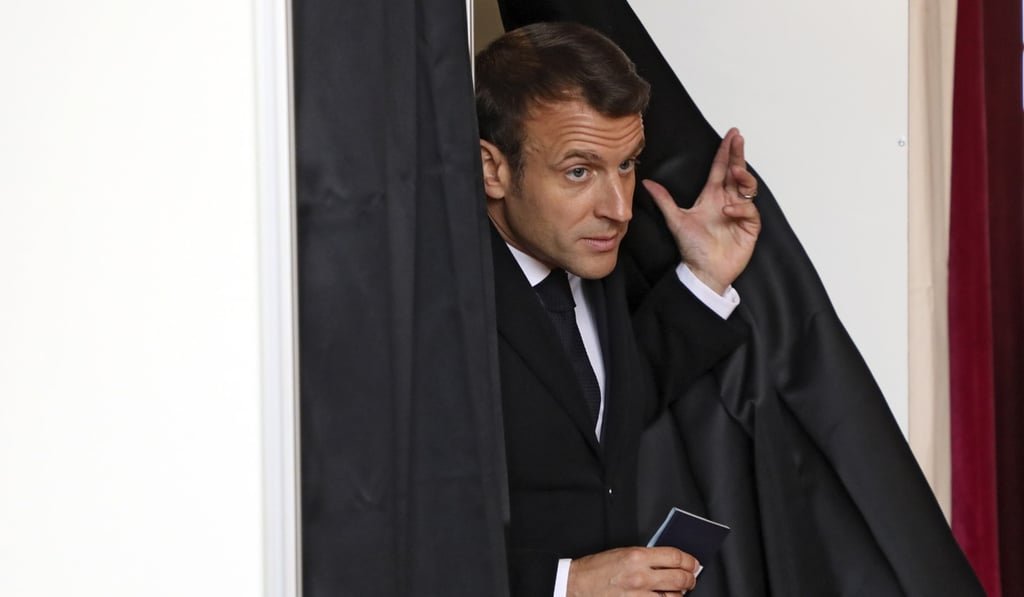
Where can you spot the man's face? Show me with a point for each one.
(573, 202)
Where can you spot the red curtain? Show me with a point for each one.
(986, 309)
(970, 328)
(1005, 120)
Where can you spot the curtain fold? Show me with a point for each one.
(932, 36)
(1005, 126)
(403, 480)
(974, 516)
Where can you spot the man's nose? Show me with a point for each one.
(617, 199)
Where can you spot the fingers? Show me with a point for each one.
(673, 571)
(673, 581)
(736, 150)
(720, 165)
(746, 215)
(670, 557)
(728, 171)
(634, 571)
(746, 184)
(739, 181)
(742, 211)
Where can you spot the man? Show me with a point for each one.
(560, 116)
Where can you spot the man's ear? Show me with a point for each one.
(497, 174)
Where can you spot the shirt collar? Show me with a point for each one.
(533, 268)
(535, 271)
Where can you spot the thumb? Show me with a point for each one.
(662, 198)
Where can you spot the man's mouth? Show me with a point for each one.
(602, 243)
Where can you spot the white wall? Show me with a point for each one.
(130, 397)
(819, 90)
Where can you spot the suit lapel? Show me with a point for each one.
(520, 316)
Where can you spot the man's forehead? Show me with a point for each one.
(547, 111)
(562, 125)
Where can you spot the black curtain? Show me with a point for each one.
(789, 441)
(403, 481)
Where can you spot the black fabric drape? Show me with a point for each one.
(789, 441)
(403, 481)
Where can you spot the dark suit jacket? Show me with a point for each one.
(571, 495)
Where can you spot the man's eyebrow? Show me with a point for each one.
(590, 156)
(593, 156)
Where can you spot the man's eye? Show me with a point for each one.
(628, 165)
(577, 173)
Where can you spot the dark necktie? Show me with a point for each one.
(555, 294)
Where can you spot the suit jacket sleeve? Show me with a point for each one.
(680, 338)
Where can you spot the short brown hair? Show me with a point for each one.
(547, 63)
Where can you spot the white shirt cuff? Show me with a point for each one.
(562, 578)
(723, 305)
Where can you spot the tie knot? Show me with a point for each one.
(555, 293)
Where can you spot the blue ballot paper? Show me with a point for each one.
(697, 536)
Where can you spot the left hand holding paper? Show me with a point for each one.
(633, 571)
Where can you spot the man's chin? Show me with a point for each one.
(594, 269)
